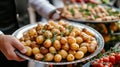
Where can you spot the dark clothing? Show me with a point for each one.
(8, 24)
(6, 63)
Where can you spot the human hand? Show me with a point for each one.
(56, 14)
(8, 44)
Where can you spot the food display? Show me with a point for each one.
(61, 42)
(109, 61)
(58, 41)
(108, 30)
(90, 13)
(111, 58)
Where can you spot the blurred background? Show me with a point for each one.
(26, 14)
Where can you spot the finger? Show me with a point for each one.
(16, 57)
(10, 54)
(6, 55)
(19, 46)
(60, 9)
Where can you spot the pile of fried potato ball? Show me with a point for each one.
(58, 41)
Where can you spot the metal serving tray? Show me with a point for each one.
(19, 33)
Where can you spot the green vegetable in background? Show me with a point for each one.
(72, 11)
(87, 12)
(105, 1)
(81, 10)
(91, 4)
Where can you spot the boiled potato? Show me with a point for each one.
(26, 36)
(57, 58)
(48, 27)
(57, 31)
(56, 25)
(57, 45)
(32, 32)
(84, 44)
(47, 43)
(61, 22)
(49, 57)
(91, 48)
(72, 34)
(83, 49)
(43, 50)
(63, 53)
(58, 37)
(39, 26)
(72, 52)
(39, 56)
(52, 50)
(65, 47)
(22, 39)
(71, 40)
(74, 46)
(79, 55)
(61, 28)
(79, 40)
(84, 36)
(28, 42)
(32, 38)
(77, 31)
(63, 40)
(48, 34)
(66, 32)
(34, 44)
(29, 51)
(70, 57)
(88, 32)
(40, 32)
(40, 39)
(94, 42)
(65, 24)
(35, 50)
(23, 43)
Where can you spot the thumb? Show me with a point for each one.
(19, 46)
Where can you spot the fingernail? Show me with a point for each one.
(24, 51)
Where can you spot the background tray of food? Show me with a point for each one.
(54, 55)
(91, 13)
(111, 58)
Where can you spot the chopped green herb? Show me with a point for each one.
(72, 11)
(62, 34)
(43, 59)
(87, 13)
(70, 28)
(54, 36)
(91, 4)
(81, 10)
(96, 16)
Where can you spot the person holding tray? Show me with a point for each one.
(8, 24)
